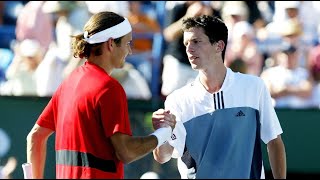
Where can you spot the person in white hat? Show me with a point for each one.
(21, 72)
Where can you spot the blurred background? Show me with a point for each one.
(275, 40)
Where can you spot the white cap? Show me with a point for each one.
(235, 8)
(119, 7)
(243, 28)
(29, 48)
(56, 6)
(150, 175)
(290, 4)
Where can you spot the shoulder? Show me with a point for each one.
(184, 89)
(252, 84)
(181, 94)
(248, 79)
(113, 84)
(106, 85)
(111, 92)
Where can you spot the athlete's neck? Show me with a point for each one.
(213, 81)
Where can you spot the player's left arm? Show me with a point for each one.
(277, 158)
(37, 149)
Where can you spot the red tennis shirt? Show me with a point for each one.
(85, 111)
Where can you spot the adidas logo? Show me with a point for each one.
(173, 137)
(240, 113)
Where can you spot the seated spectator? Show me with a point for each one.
(243, 46)
(21, 72)
(233, 12)
(290, 85)
(304, 11)
(291, 32)
(58, 61)
(65, 24)
(34, 23)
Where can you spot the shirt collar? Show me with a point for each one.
(225, 85)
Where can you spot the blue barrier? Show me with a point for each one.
(7, 35)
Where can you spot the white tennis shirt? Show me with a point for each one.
(218, 135)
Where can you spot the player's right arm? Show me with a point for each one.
(163, 153)
(129, 148)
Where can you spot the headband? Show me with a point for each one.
(114, 32)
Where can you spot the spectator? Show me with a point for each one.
(292, 33)
(314, 69)
(21, 80)
(143, 28)
(315, 98)
(62, 13)
(244, 46)
(233, 12)
(304, 11)
(289, 84)
(34, 23)
(294, 21)
(7, 169)
(58, 61)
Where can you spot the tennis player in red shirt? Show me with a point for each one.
(89, 111)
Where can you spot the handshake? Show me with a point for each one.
(163, 122)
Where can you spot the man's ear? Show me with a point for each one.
(110, 44)
(220, 46)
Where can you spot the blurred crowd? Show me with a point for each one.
(276, 40)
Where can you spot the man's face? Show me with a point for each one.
(198, 48)
(122, 51)
(292, 12)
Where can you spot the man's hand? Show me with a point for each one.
(163, 118)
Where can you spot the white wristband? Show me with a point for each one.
(163, 135)
(27, 170)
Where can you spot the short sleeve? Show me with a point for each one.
(46, 118)
(270, 125)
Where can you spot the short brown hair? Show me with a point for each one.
(212, 26)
